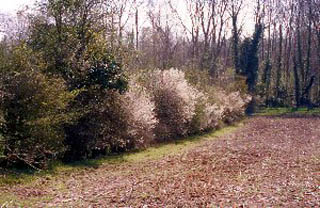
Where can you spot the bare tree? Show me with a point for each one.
(234, 11)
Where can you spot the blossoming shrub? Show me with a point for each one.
(142, 119)
(207, 115)
(234, 106)
(175, 103)
(183, 109)
(216, 105)
(114, 123)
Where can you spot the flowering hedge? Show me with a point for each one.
(183, 109)
(158, 106)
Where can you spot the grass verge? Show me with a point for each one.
(158, 151)
(287, 111)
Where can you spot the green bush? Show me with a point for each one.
(101, 129)
(34, 110)
(97, 130)
(113, 122)
(34, 115)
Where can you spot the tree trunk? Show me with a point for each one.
(296, 81)
(279, 64)
(137, 28)
(235, 45)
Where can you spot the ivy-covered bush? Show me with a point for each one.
(101, 128)
(97, 131)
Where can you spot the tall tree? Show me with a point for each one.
(249, 58)
(234, 11)
(279, 64)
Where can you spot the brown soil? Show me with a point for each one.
(269, 162)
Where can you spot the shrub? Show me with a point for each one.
(34, 112)
(101, 128)
(112, 123)
(218, 105)
(98, 128)
(33, 107)
(142, 119)
(207, 115)
(234, 106)
(175, 103)
(184, 109)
